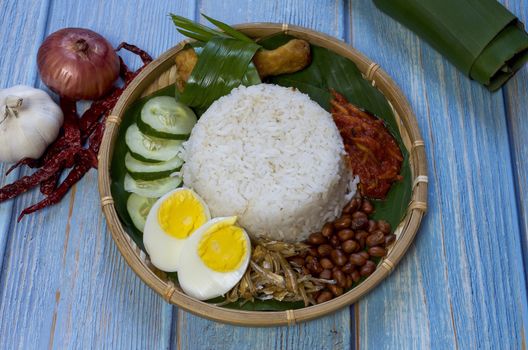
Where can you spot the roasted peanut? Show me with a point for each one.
(364, 254)
(355, 276)
(324, 249)
(316, 238)
(349, 246)
(384, 226)
(338, 257)
(324, 296)
(352, 206)
(328, 230)
(334, 241)
(377, 251)
(345, 235)
(315, 267)
(367, 270)
(343, 222)
(348, 267)
(336, 290)
(349, 282)
(372, 226)
(326, 263)
(358, 221)
(357, 259)
(340, 278)
(361, 237)
(367, 207)
(326, 274)
(375, 238)
(313, 251)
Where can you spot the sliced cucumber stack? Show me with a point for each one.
(154, 145)
(138, 208)
(150, 149)
(151, 171)
(164, 117)
(152, 188)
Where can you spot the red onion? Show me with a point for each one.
(78, 64)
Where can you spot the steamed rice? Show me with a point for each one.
(271, 156)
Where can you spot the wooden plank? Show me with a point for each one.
(64, 284)
(461, 284)
(324, 16)
(516, 102)
(331, 332)
(18, 66)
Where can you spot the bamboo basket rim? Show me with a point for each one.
(406, 231)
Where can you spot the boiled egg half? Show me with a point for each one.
(173, 219)
(214, 259)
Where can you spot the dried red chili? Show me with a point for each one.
(32, 163)
(73, 177)
(48, 186)
(66, 151)
(45, 172)
(72, 134)
(96, 138)
(373, 153)
(145, 57)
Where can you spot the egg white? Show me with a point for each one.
(164, 250)
(198, 280)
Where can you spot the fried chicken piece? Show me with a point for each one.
(185, 62)
(288, 58)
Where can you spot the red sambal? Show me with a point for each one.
(373, 153)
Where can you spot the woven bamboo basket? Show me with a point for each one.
(161, 73)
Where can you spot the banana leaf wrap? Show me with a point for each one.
(480, 37)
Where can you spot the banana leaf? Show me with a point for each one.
(480, 37)
(229, 51)
(331, 71)
(250, 77)
(203, 33)
(222, 66)
(327, 71)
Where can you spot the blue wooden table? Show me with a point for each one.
(462, 284)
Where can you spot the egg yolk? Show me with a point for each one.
(222, 249)
(181, 214)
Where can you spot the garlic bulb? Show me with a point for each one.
(29, 122)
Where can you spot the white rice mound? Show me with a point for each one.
(271, 156)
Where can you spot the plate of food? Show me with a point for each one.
(262, 174)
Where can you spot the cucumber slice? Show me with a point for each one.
(150, 148)
(153, 188)
(164, 117)
(138, 208)
(143, 159)
(151, 171)
(148, 130)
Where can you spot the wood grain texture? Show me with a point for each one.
(322, 15)
(461, 285)
(19, 47)
(516, 104)
(331, 332)
(64, 283)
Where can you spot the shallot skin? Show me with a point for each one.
(78, 64)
